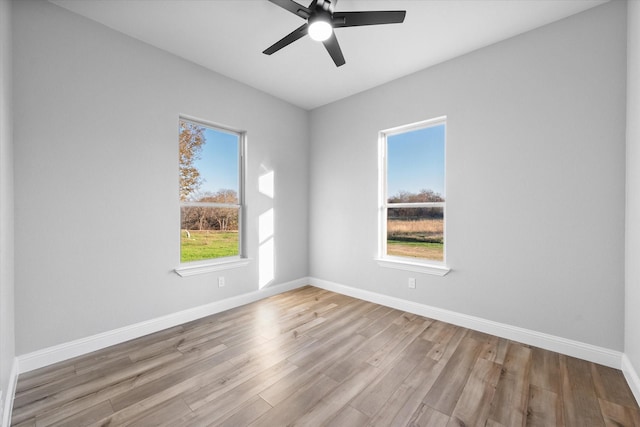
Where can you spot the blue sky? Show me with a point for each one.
(415, 161)
(218, 163)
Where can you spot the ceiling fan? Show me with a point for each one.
(321, 21)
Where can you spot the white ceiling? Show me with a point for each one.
(228, 36)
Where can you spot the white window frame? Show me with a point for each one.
(191, 268)
(438, 268)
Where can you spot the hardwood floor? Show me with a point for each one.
(313, 358)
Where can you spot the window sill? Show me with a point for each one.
(436, 270)
(192, 270)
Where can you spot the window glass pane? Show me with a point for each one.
(208, 232)
(209, 162)
(416, 232)
(210, 171)
(415, 165)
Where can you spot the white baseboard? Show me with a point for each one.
(561, 345)
(48, 356)
(631, 376)
(7, 402)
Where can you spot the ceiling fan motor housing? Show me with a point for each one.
(326, 5)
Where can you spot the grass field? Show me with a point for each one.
(416, 238)
(208, 244)
(424, 250)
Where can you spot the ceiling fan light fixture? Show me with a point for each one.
(320, 29)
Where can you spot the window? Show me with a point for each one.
(412, 190)
(210, 192)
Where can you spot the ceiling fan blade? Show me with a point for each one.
(295, 8)
(287, 40)
(355, 19)
(334, 50)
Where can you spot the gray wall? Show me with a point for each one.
(632, 299)
(7, 350)
(535, 180)
(96, 166)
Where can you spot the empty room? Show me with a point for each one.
(319, 213)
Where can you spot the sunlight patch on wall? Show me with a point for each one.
(266, 261)
(266, 232)
(265, 184)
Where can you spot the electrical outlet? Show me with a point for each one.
(220, 281)
(412, 282)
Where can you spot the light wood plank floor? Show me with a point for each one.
(315, 358)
